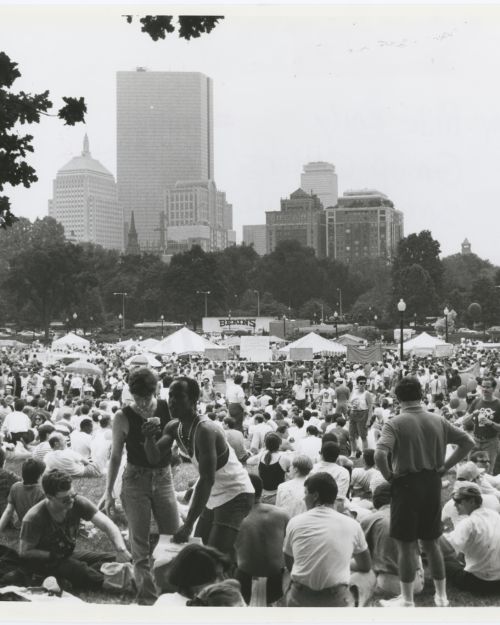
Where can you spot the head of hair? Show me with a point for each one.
(298, 421)
(272, 443)
(491, 380)
(56, 481)
(142, 382)
(44, 431)
(369, 457)
(55, 438)
(192, 387)
(302, 464)
(408, 389)
(222, 594)
(360, 377)
(85, 409)
(32, 470)
(19, 404)
(230, 422)
(196, 565)
(340, 420)
(382, 495)
(330, 451)
(85, 424)
(258, 418)
(238, 379)
(324, 485)
(329, 437)
(312, 430)
(257, 484)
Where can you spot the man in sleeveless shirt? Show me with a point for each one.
(223, 494)
(147, 486)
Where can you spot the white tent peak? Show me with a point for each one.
(423, 340)
(318, 343)
(70, 340)
(184, 341)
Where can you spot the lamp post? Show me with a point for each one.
(339, 291)
(120, 325)
(122, 316)
(446, 313)
(284, 326)
(401, 308)
(258, 302)
(162, 319)
(75, 317)
(206, 294)
(336, 322)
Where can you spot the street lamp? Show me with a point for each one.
(401, 308)
(258, 302)
(336, 322)
(75, 316)
(339, 291)
(284, 326)
(206, 294)
(122, 316)
(162, 319)
(446, 313)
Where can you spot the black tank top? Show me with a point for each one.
(134, 442)
(272, 475)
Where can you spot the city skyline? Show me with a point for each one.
(403, 102)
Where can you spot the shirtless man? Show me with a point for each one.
(224, 494)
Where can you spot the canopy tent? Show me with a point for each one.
(276, 339)
(11, 343)
(143, 360)
(127, 345)
(70, 341)
(423, 344)
(318, 344)
(148, 344)
(350, 339)
(184, 341)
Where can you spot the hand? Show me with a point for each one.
(442, 470)
(150, 429)
(123, 555)
(182, 534)
(107, 503)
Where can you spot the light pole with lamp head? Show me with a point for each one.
(401, 308)
(75, 317)
(120, 327)
(284, 327)
(206, 294)
(122, 316)
(162, 320)
(336, 322)
(339, 291)
(446, 313)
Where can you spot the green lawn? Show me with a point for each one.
(93, 488)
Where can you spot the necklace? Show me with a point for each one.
(188, 441)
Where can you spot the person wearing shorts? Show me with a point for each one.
(416, 441)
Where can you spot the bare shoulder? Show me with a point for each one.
(120, 422)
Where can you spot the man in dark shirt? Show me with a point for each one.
(484, 413)
(49, 532)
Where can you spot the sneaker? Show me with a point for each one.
(396, 602)
(441, 602)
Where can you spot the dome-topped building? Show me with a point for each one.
(85, 201)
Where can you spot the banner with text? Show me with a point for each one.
(251, 325)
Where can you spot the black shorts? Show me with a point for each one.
(416, 506)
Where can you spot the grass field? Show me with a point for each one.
(93, 488)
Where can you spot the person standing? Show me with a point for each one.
(147, 486)
(235, 397)
(416, 440)
(361, 411)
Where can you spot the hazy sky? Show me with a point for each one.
(401, 99)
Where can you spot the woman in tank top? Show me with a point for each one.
(272, 466)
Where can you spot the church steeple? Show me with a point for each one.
(133, 248)
(86, 148)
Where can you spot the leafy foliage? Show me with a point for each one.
(73, 112)
(188, 26)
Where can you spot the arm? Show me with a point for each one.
(7, 515)
(156, 449)
(120, 431)
(361, 562)
(106, 525)
(205, 444)
(382, 464)
(289, 562)
(28, 551)
(464, 446)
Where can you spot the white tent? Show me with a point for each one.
(127, 345)
(319, 345)
(422, 344)
(148, 344)
(70, 341)
(143, 360)
(184, 341)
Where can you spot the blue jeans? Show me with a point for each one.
(147, 491)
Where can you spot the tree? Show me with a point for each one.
(420, 249)
(461, 270)
(20, 109)
(415, 286)
(316, 310)
(483, 292)
(188, 26)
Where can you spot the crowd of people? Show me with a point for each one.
(318, 483)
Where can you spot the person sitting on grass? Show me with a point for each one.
(49, 534)
(24, 495)
(477, 537)
(65, 459)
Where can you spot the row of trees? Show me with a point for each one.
(46, 278)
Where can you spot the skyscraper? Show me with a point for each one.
(85, 202)
(320, 178)
(364, 225)
(256, 235)
(164, 135)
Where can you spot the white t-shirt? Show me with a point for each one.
(290, 496)
(16, 421)
(478, 538)
(81, 442)
(65, 460)
(339, 474)
(322, 542)
(235, 394)
(310, 446)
